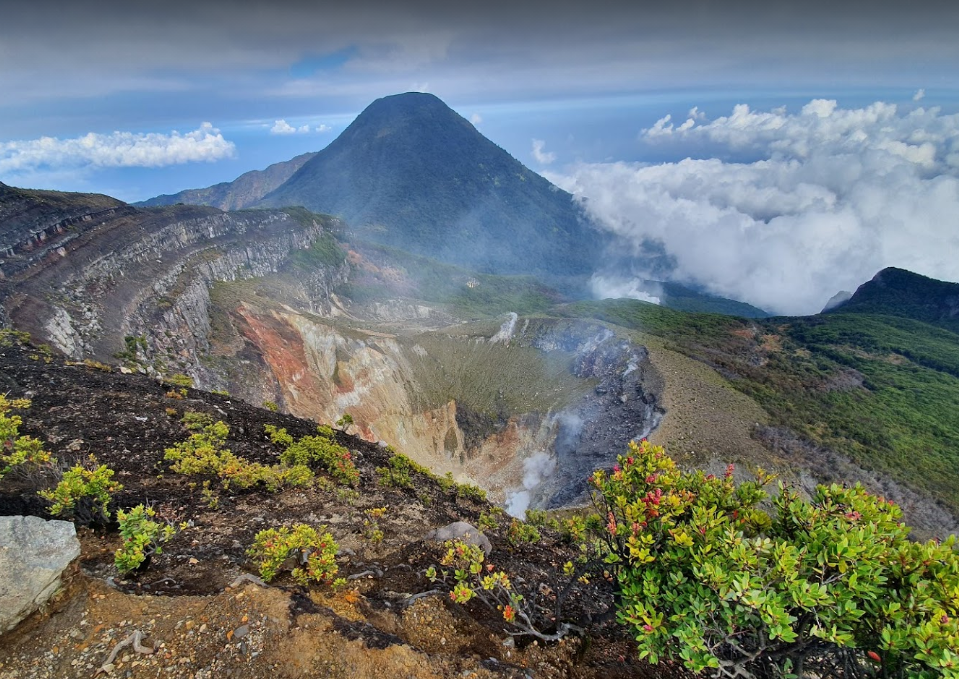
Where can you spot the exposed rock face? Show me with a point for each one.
(147, 273)
(33, 555)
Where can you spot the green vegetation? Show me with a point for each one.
(178, 380)
(332, 457)
(896, 292)
(15, 449)
(314, 552)
(397, 472)
(520, 532)
(879, 389)
(708, 578)
(142, 537)
(204, 453)
(92, 486)
(325, 252)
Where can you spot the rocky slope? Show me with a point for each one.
(387, 618)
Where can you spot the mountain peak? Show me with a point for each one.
(898, 292)
(410, 172)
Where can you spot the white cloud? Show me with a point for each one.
(283, 127)
(837, 195)
(119, 149)
(542, 157)
(919, 95)
(323, 128)
(476, 119)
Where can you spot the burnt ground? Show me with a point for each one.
(182, 598)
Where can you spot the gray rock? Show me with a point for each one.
(33, 555)
(460, 530)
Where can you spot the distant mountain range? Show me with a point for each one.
(242, 192)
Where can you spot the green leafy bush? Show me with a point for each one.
(16, 449)
(396, 473)
(313, 553)
(278, 435)
(204, 453)
(708, 578)
(142, 537)
(271, 406)
(83, 492)
(334, 458)
(519, 533)
(468, 490)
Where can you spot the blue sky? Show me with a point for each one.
(138, 99)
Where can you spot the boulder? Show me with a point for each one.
(460, 530)
(33, 555)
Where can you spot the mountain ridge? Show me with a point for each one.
(238, 194)
(902, 293)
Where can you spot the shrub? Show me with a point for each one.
(708, 578)
(519, 533)
(271, 406)
(179, 380)
(83, 492)
(468, 490)
(396, 473)
(334, 458)
(203, 453)
(16, 449)
(489, 519)
(469, 578)
(314, 553)
(536, 517)
(278, 435)
(142, 537)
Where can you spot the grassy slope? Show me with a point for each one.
(806, 373)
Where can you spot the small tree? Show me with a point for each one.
(709, 578)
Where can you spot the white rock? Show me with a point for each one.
(33, 555)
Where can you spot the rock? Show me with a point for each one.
(460, 530)
(33, 555)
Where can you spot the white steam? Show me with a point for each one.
(536, 468)
(836, 195)
(606, 287)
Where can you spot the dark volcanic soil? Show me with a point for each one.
(126, 422)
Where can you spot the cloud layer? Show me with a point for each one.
(119, 149)
(827, 197)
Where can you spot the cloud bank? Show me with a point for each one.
(822, 199)
(119, 149)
